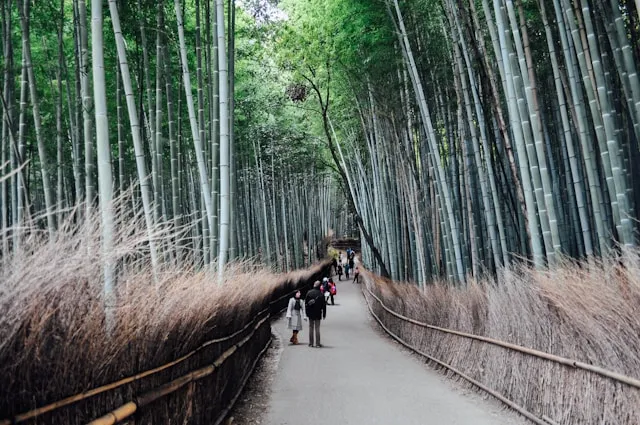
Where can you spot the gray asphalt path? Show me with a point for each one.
(362, 377)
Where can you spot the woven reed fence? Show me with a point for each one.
(518, 343)
(187, 383)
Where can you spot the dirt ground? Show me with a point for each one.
(252, 405)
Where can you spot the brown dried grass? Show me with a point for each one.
(53, 338)
(586, 312)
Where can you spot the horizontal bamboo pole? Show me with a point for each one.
(111, 418)
(23, 417)
(541, 354)
(117, 415)
(478, 384)
(233, 401)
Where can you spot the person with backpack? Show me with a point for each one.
(333, 290)
(316, 310)
(295, 314)
(324, 288)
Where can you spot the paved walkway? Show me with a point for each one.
(362, 377)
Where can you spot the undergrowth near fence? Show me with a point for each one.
(54, 341)
(586, 312)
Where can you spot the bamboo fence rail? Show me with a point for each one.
(536, 353)
(129, 408)
(543, 420)
(480, 385)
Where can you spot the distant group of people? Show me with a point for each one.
(314, 306)
(346, 266)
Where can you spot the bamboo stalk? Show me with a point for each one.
(117, 415)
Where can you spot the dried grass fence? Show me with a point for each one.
(199, 386)
(562, 347)
(181, 348)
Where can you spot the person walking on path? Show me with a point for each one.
(334, 265)
(295, 314)
(339, 272)
(333, 290)
(316, 310)
(351, 259)
(346, 270)
(324, 288)
(356, 275)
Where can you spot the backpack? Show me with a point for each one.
(332, 289)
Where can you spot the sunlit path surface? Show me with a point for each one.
(362, 377)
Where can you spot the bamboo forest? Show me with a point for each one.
(170, 170)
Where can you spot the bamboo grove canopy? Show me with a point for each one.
(455, 136)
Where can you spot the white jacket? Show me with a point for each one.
(291, 311)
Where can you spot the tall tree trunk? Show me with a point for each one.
(89, 156)
(59, 103)
(214, 119)
(37, 120)
(225, 147)
(135, 130)
(147, 113)
(232, 161)
(173, 149)
(105, 178)
(202, 166)
(157, 139)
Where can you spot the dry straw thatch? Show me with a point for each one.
(588, 313)
(53, 340)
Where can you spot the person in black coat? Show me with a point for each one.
(316, 309)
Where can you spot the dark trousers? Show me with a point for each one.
(314, 328)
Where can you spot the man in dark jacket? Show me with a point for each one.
(316, 309)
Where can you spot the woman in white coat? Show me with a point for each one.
(295, 315)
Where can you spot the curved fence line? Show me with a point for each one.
(129, 408)
(23, 417)
(479, 384)
(536, 353)
(227, 409)
(126, 408)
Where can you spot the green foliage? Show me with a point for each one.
(265, 118)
